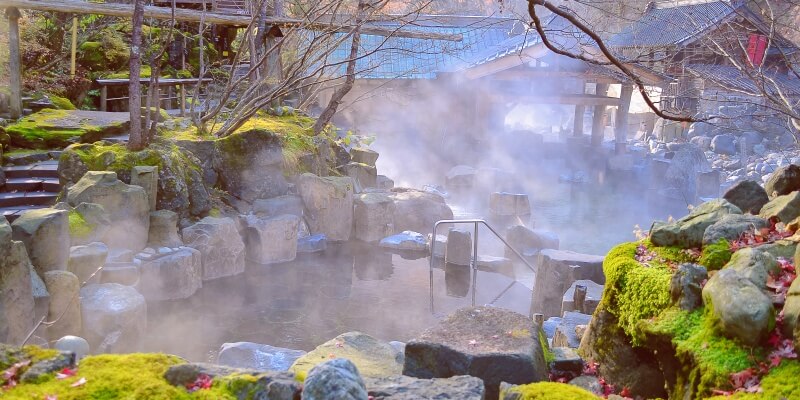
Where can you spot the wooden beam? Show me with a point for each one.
(573, 99)
(14, 63)
(182, 14)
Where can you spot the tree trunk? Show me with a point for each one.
(136, 142)
(350, 75)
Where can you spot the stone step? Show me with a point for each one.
(51, 185)
(46, 169)
(22, 185)
(16, 199)
(12, 213)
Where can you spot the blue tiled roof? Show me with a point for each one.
(411, 58)
(668, 25)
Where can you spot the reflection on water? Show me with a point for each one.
(303, 303)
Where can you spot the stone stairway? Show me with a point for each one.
(28, 187)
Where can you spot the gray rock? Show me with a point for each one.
(373, 357)
(250, 165)
(566, 361)
(417, 211)
(164, 229)
(98, 223)
(783, 181)
(329, 202)
(75, 344)
(45, 233)
(312, 243)
(557, 270)
(529, 241)
(401, 387)
(363, 175)
(251, 384)
(594, 292)
(271, 240)
(48, 366)
(147, 178)
(500, 265)
(41, 297)
(114, 317)
(791, 310)
(460, 176)
(741, 309)
(458, 249)
(783, 208)
(177, 275)
(220, 245)
(65, 307)
(724, 144)
(550, 325)
(123, 273)
(703, 142)
(384, 182)
(86, 260)
(748, 195)
(682, 172)
(127, 205)
(364, 156)
(566, 335)
(407, 240)
(292, 205)
(509, 204)
(785, 248)
(754, 264)
(732, 226)
(16, 294)
(686, 286)
(259, 357)
(688, 231)
(336, 379)
(373, 216)
(476, 341)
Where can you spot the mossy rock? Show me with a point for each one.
(780, 383)
(61, 103)
(544, 391)
(373, 358)
(56, 129)
(715, 256)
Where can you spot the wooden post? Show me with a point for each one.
(577, 126)
(14, 63)
(74, 47)
(621, 132)
(598, 117)
(579, 298)
(104, 98)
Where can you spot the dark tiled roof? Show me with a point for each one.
(666, 25)
(410, 58)
(729, 77)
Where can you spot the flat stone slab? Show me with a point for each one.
(493, 344)
(401, 387)
(594, 292)
(59, 128)
(260, 357)
(407, 241)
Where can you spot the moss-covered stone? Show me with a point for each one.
(78, 227)
(56, 129)
(545, 390)
(61, 103)
(715, 256)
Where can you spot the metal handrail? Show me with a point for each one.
(476, 223)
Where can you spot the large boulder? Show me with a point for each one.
(329, 202)
(688, 231)
(401, 387)
(755, 265)
(292, 205)
(146, 176)
(783, 181)
(336, 379)
(373, 216)
(86, 260)
(724, 144)
(250, 165)
(164, 229)
(65, 302)
(458, 249)
(732, 226)
(90, 223)
(271, 240)
(49, 129)
(16, 296)
(493, 344)
(417, 211)
(509, 204)
(127, 205)
(557, 271)
(259, 357)
(683, 170)
(220, 246)
(748, 195)
(373, 357)
(741, 308)
(782, 208)
(172, 276)
(45, 233)
(114, 317)
(363, 175)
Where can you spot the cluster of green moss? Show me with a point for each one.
(61, 103)
(11, 355)
(38, 126)
(548, 390)
(56, 129)
(78, 227)
(115, 157)
(716, 255)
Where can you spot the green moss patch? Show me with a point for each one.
(78, 227)
(716, 255)
(56, 129)
(61, 103)
(550, 391)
